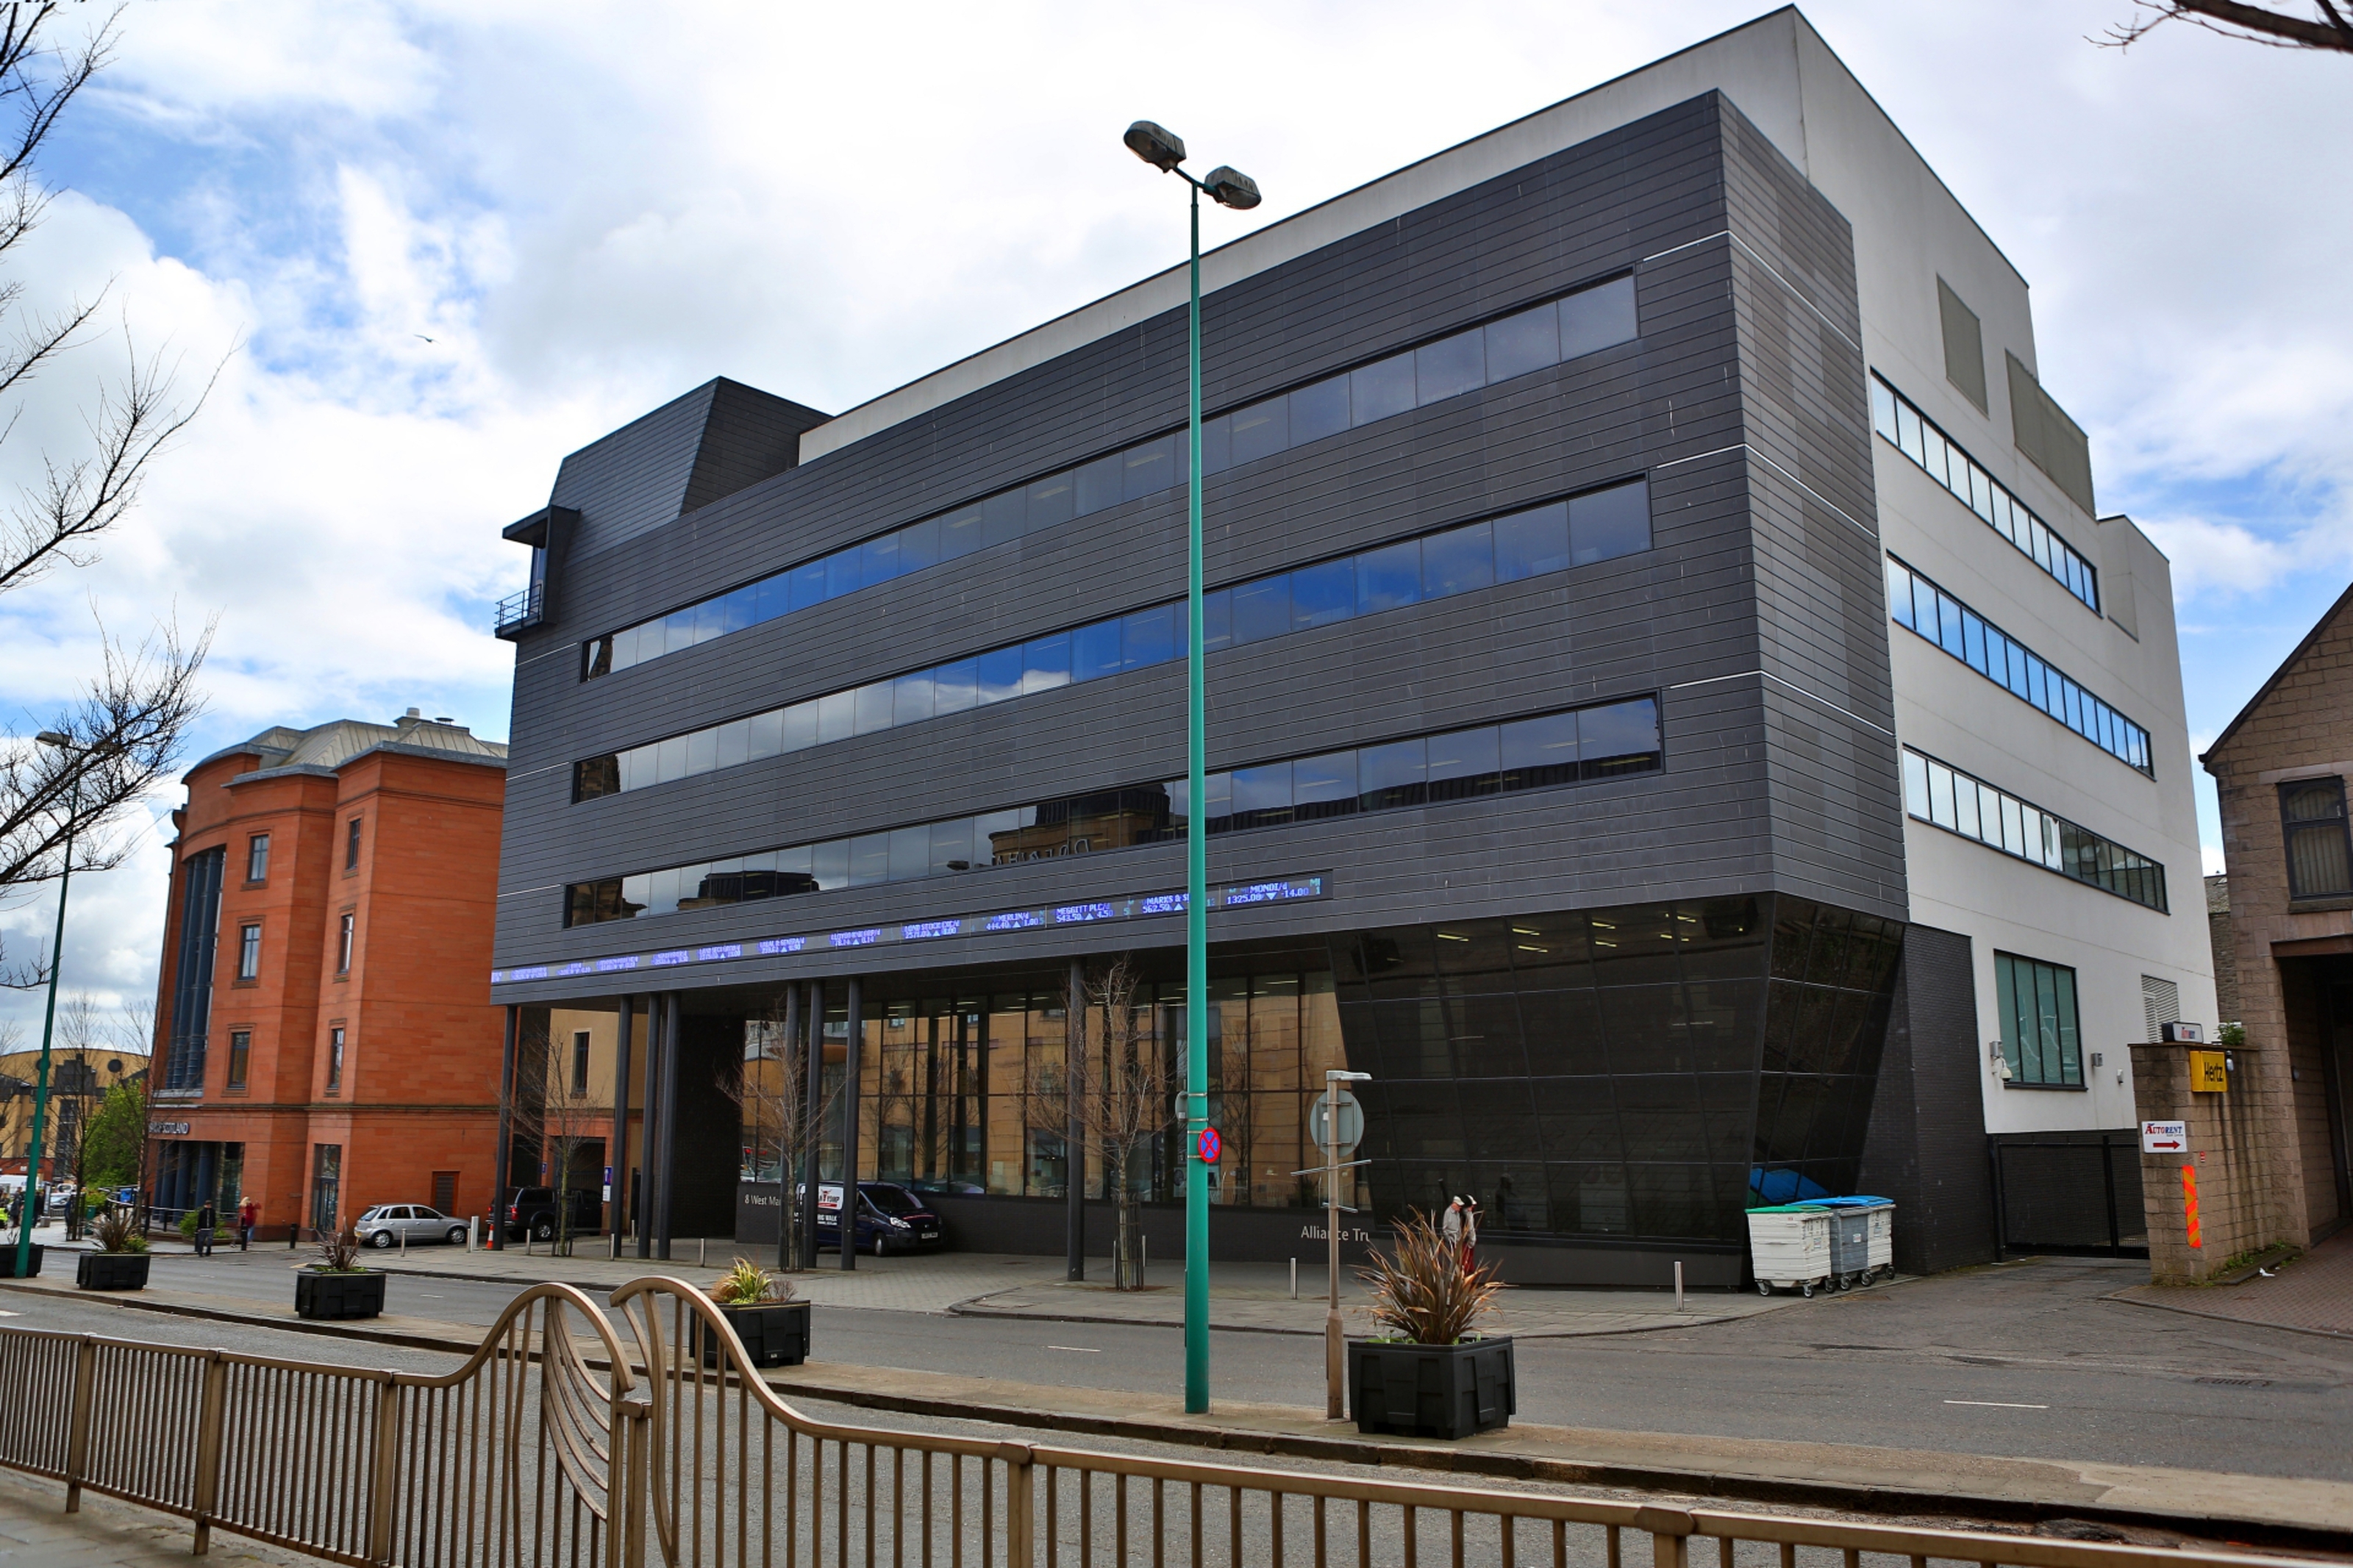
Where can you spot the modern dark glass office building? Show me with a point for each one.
(1555, 780)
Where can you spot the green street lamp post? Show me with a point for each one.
(1164, 150)
(27, 1215)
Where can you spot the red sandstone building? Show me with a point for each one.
(324, 1034)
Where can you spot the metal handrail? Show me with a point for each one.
(552, 1444)
(520, 609)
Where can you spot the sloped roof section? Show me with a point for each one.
(2319, 629)
(325, 748)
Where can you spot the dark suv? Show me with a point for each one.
(530, 1211)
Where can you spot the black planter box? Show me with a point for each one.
(319, 1294)
(775, 1335)
(111, 1271)
(8, 1260)
(1431, 1391)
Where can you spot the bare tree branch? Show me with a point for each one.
(2233, 19)
(82, 499)
(127, 733)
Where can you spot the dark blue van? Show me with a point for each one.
(889, 1219)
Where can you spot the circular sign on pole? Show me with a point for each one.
(1207, 1146)
(1352, 1122)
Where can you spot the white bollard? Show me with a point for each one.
(473, 1230)
(1678, 1285)
(702, 1252)
(1294, 1279)
(404, 1244)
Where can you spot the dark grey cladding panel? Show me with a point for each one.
(633, 481)
(1577, 214)
(690, 452)
(1748, 573)
(1926, 1148)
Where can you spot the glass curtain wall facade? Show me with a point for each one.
(1638, 1072)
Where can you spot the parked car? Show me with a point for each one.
(386, 1223)
(889, 1219)
(530, 1211)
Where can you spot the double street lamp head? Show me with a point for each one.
(1163, 150)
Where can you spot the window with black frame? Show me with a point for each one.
(2042, 1032)
(2313, 826)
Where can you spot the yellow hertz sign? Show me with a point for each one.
(2209, 1072)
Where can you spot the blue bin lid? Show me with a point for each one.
(1854, 1203)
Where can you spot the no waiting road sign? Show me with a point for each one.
(1206, 1146)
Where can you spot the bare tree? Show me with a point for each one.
(1124, 1104)
(128, 728)
(571, 1113)
(2330, 28)
(769, 1088)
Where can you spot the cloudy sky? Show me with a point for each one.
(441, 245)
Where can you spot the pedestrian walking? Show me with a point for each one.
(207, 1220)
(248, 1215)
(1470, 1237)
(1450, 1227)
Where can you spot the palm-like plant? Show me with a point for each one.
(747, 1284)
(339, 1251)
(117, 1230)
(1423, 1293)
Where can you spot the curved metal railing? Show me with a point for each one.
(555, 1443)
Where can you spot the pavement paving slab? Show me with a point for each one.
(2313, 1295)
(36, 1533)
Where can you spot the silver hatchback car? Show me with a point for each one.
(384, 1225)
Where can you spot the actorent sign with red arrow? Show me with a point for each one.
(2164, 1137)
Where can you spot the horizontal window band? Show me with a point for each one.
(1587, 320)
(1138, 906)
(1583, 528)
(1966, 805)
(1903, 427)
(1574, 745)
(1921, 607)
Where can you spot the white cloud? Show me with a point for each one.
(591, 208)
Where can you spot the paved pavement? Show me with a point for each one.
(36, 1533)
(2313, 1295)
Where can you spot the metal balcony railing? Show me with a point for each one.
(519, 610)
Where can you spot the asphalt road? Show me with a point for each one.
(2025, 1361)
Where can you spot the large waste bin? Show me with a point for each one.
(1862, 1238)
(1790, 1247)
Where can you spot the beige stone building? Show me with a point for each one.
(2281, 770)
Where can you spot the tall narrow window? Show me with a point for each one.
(256, 858)
(579, 1063)
(248, 952)
(326, 1180)
(2312, 821)
(2041, 1038)
(344, 944)
(351, 845)
(240, 1054)
(336, 1059)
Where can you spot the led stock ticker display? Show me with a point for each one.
(1139, 906)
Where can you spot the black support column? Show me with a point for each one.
(670, 1010)
(852, 1053)
(618, 1147)
(498, 1238)
(1075, 1130)
(787, 1093)
(812, 1108)
(648, 1152)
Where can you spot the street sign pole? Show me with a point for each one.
(1334, 1341)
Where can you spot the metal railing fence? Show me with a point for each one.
(554, 1445)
